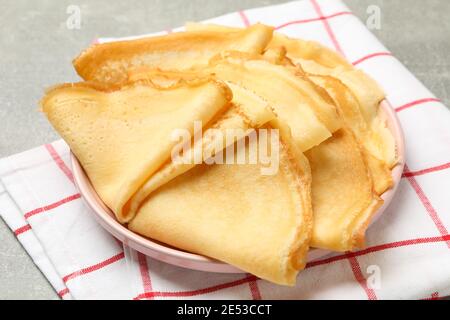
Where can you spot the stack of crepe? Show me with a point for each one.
(335, 152)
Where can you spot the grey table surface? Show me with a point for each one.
(36, 49)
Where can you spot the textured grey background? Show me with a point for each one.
(36, 49)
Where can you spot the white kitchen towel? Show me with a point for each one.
(408, 253)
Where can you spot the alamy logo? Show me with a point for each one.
(229, 146)
(74, 19)
(373, 21)
(374, 278)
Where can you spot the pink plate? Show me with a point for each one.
(188, 260)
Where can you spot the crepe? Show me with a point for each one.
(316, 59)
(350, 211)
(310, 117)
(359, 200)
(347, 178)
(259, 223)
(123, 137)
(348, 107)
(330, 151)
(374, 177)
(308, 50)
(109, 62)
(342, 193)
(248, 111)
(255, 109)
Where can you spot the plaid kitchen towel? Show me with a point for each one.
(408, 253)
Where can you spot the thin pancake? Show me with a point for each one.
(316, 59)
(346, 154)
(109, 62)
(347, 178)
(308, 50)
(310, 117)
(248, 111)
(259, 223)
(349, 108)
(353, 210)
(122, 137)
(342, 193)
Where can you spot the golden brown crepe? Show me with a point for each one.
(307, 50)
(123, 137)
(247, 112)
(346, 153)
(316, 59)
(347, 178)
(259, 223)
(279, 220)
(121, 128)
(344, 196)
(256, 110)
(310, 117)
(348, 107)
(342, 193)
(269, 80)
(109, 62)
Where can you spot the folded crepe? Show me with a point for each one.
(122, 137)
(307, 50)
(343, 197)
(120, 129)
(316, 59)
(247, 112)
(311, 118)
(259, 223)
(358, 200)
(347, 178)
(109, 62)
(350, 110)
